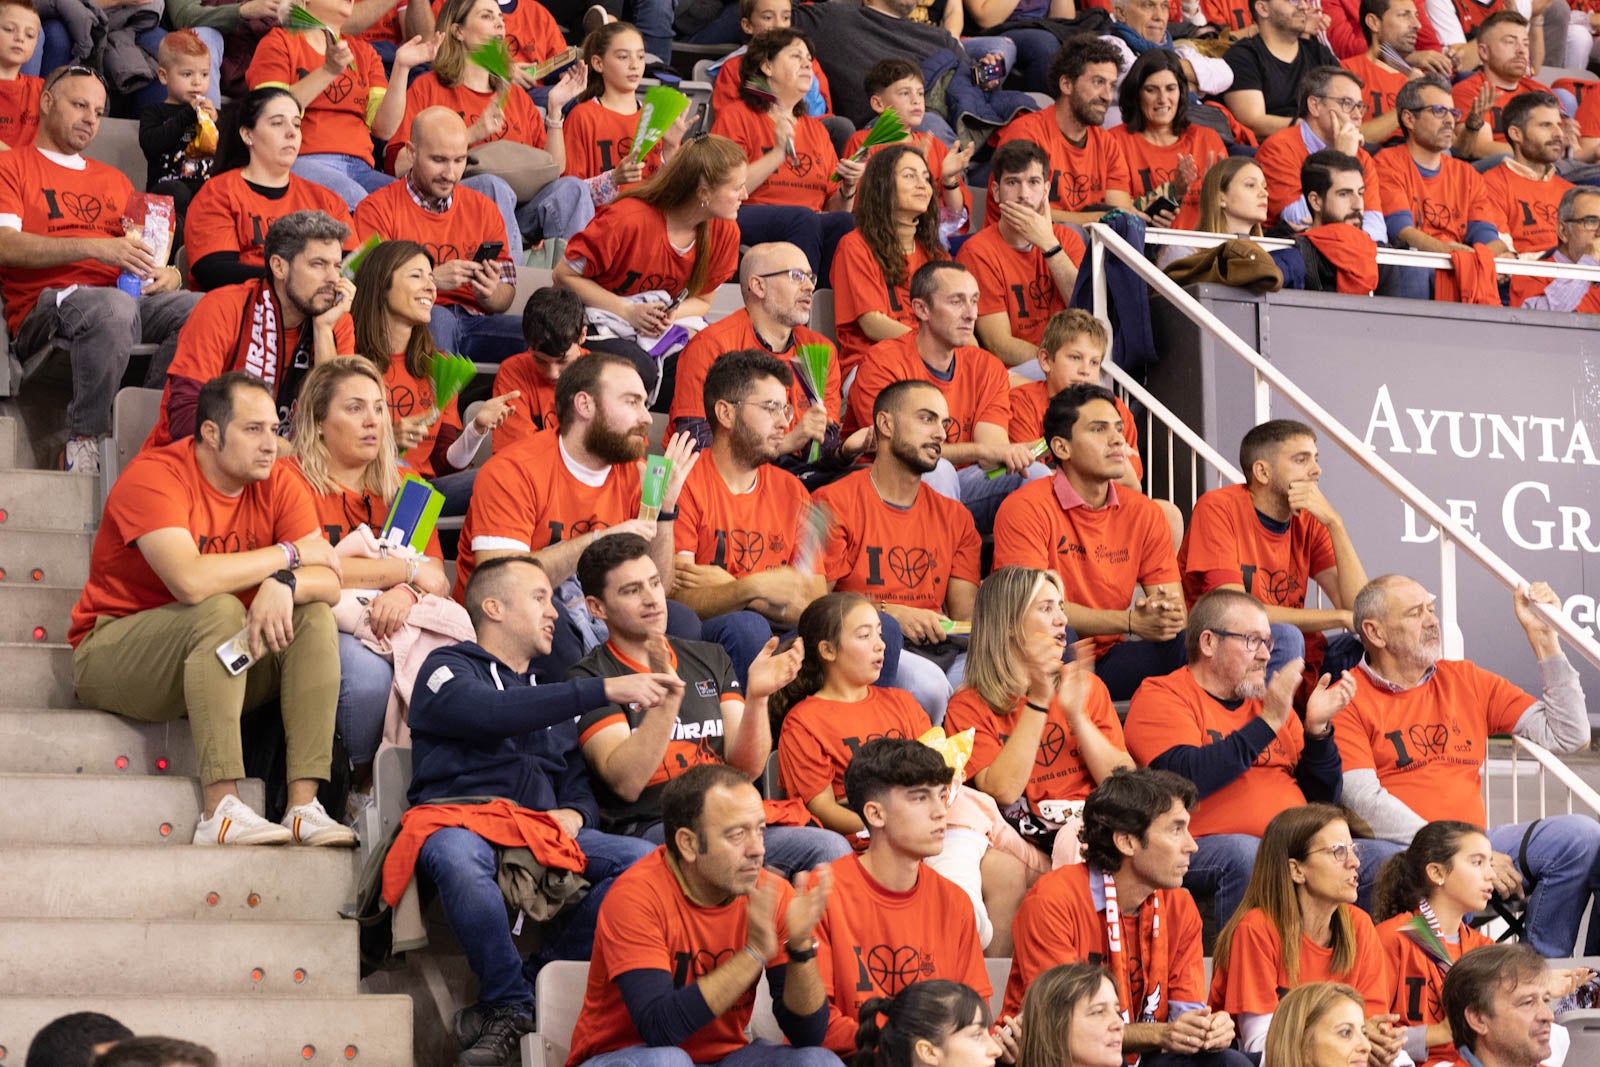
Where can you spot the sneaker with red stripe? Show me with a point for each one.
(312, 825)
(233, 823)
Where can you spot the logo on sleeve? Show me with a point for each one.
(706, 688)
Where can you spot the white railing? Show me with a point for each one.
(1175, 430)
(1545, 767)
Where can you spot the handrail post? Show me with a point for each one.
(1454, 644)
(1097, 280)
(1263, 398)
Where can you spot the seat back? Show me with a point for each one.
(134, 413)
(391, 777)
(559, 993)
(117, 145)
(999, 969)
(822, 313)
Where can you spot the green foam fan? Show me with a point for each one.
(494, 57)
(662, 106)
(814, 361)
(449, 375)
(352, 262)
(887, 129)
(302, 21)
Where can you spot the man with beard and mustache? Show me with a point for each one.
(1496, 1001)
(62, 253)
(1329, 118)
(1524, 187)
(1219, 723)
(1432, 201)
(1578, 233)
(1269, 66)
(718, 716)
(1088, 171)
(1390, 29)
(1340, 256)
(913, 551)
(1414, 738)
(1503, 46)
(276, 328)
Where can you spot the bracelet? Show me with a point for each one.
(291, 554)
(1056, 251)
(555, 125)
(759, 958)
(411, 568)
(950, 187)
(1041, 709)
(416, 595)
(1474, 129)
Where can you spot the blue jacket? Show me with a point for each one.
(478, 728)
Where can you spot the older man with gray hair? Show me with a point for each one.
(1577, 241)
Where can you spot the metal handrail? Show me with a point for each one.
(1173, 424)
(1549, 765)
(1104, 239)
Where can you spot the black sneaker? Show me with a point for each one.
(497, 1040)
(469, 1024)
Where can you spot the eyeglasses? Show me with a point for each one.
(1341, 852)
(1440, 111)
(798, 275)
(1252, 642)
(783, 412)
(73, 71)
(1353, 108)
(1588, 222)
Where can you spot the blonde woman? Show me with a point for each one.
(1319, 1025)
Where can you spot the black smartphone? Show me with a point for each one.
(1160, 205)
(488, 252)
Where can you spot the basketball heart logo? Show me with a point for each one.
(82, 206)
(748, 548)
(445, 253)
(1074, 190)
(1437, 214)
(1052, 741)
(893, 967)
(1428, 740)
(691, 966)
(1278, 587)
(589, 525)
(218, 544)
(340, 88)
(1042, 292)
(513, 42)
(402, 401)
(802, 164)
(910, 565)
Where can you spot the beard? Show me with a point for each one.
(1250, 690)
(614, 447)
(914, 458)
(749, 448)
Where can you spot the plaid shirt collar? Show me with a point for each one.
(427, 203)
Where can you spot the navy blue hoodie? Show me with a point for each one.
(478, 728)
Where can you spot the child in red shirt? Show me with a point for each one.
(554, 327)
(19, 92)
(599, 130)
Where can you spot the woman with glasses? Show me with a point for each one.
(1166, 152)
(1299, 924)
(800, 191)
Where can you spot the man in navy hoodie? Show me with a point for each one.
(481, 727)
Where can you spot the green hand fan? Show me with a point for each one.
(662, 106)
(888, 129)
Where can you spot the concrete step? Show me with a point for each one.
(53, 556)
(107, 957)
(83, 809)
(48, 500)
(158, 882)
(25, 604)
(38, 674)
(8, 442)
(243, 1031)
(61, 741)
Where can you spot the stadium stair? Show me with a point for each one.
(104, 904)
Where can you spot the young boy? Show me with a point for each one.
(553, 325)
(897, 83)
(758, 16)
(1070, 353)
(167, 131)
(19, 93)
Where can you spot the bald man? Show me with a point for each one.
(463, 231)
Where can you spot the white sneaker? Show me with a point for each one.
(311, 825)
(233, 823)
(82, 456)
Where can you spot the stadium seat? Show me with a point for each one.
(559, 993)
(529, 281)
(134, 414)
(391, 777)
(1583, 1026)
(771, 783)
(822, 314)
(658, 431)
(117, 145)
(999, 969)
(725, 301)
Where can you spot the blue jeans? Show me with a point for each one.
(757, 1053)
(365, 679)
(1561, 865)
(350, 178)
(791, 849)
(653, 19)
(1288, 645)
(462, 866)
(560, 209)
(742, 634)
(1221, 870)
(1128, 663)
(496, 189)
(481, 338)
(1033, 52)
(457, 489)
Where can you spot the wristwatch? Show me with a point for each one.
(284, 576)
(801, 955)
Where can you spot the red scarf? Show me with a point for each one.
(1353, 253)
(260, 349)
(1148, 1002)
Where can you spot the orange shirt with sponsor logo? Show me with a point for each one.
(801, 180)
(1153, 165)
(626, 250)
(1028, 402)
(1101, 555)
(1079, 177)
(1415, 978)
(336, 121)
(859, 287)
(1525, 207)
(471, 220)
(19, 109)
(1172, 711)
(820, 737)
(535, 409)
(731, 334)
(977, 390)
(1255, 979)
(743, 533)
(1017, 282)
(228, 215)
(597, 139)
(902, 555)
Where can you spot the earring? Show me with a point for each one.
(702, 203)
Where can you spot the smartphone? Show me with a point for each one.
(988, 71)
(1161, 204)
(488, 252)
(235, 653)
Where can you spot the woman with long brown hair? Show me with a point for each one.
(391, 324)
(1072, 1017)
(897, 231)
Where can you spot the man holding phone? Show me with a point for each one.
(462, 230)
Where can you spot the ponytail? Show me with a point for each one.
(594, 45)
(1403, 881)
(822, 620)
(922, 1011)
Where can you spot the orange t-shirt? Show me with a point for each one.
(743, 533)
(1525, 208)
(1028, 403)
(1017, 282)
(873, 942)
(40, 196)
(389, 28)
(1255, 980)
(410, 395)
(1225, 544)
(1152, 165)
(1589, 115)
(1380, 84)
(1440, 206)
(1100, 555)
(1416, 980)
(1280, 158)
(598, 138)
(1467, 89)
(1059, 923)
(725, 90)
(227, 215)
(349, 509)
(820, 737)
(336, 121)
(526, 495)
(1079, 177)
(531, 31)
(859, 287)
(799, 182)
(535, 408)
(1172, 711)
(1234, 14)
(626, 250)
(647, 924)
(209, 345)
(905, 556)
(730, 334)
(978, 390)
(1428, 743)
(471, 220)
(19, 109)
(164, 488)
(524, 124)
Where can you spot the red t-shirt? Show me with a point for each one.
(164, 488)
(626, 250)
(1427, 744)
(524, 124)
(1100, 555)
(336, 121)
(1017, 282)
(730, 334)
(531, 31)
(1416, 980)
(1467, 89)
(1173, 710)
(744, 533)
(1589, 115)
(1255, 979)
(1028, 403)
(41, 197)
(977, 392)
(597, 139)
(725, 90)
(647, 924)
(1440, 206)
(1379, 84)
(227, 215)
(1280, 158)
(527, 495)
(1079, 177)
(472, 219)
(820, 737)
(873, 942)
(348, 509)
(1225, 544)
(535, 408)
(904, 556)
(1525, 208)
(799, 182)
(859, 287)
(19, 109)
(1234, 14)
(1152, 164)
(410, 395)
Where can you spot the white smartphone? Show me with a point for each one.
(235, 653)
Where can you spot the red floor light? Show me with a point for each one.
(161, 764)
(257, 974)
(4, 515)
(299, 975)
(350, 1052)
(2, 574)
(166, 829)
(37, 575)
(253, 899)
(212, 899)
(122, 763)
(308, 1052)
(38, 633)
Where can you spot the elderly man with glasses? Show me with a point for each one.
(1221, 724)
(1330, 112)
(1578, 237)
